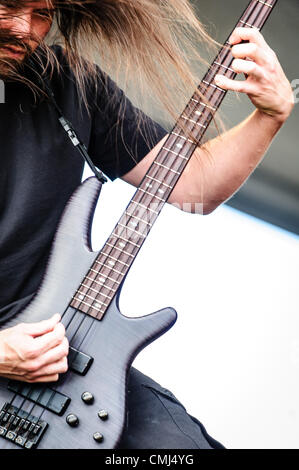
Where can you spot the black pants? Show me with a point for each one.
(157, 420)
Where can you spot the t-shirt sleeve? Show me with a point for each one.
(121, 134)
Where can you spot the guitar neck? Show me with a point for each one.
(117, 255)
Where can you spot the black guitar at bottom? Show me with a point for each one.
(86, 408)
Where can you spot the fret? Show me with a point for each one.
(145, 207)
(158, 181)
(213, 86)
(93, 298)
(128, 241)
(171, 151)
(120, 249)
(100, 283)
(138, 218)
(225, 67)
(150, 194)
(88, 305)
(95, 290)
(133, 230)
(176, 153)
(265, 3)
(185, 146)
(248, 24)
(183, 137)
(194, 122)
(105, 266)
(115, 259)
(167, 168)
(208, 106)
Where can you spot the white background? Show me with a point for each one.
(232, 357)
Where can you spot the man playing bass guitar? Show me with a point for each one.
(40, 169)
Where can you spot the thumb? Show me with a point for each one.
(42, 327)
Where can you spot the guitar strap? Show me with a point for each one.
(70, 131)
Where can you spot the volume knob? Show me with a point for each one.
(98, 437)
(87, 397)
(103, 415)
(72, 420)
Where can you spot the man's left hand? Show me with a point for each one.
(266, 84)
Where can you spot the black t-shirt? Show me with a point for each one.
(40, 168)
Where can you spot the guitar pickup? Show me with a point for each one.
(41, 395)
(78, 361)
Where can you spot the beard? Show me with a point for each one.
(12, 67)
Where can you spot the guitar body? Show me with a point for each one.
(111, 343)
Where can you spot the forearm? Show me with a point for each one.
(218, 169)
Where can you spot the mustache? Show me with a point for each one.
(30, 69)
(10, 40)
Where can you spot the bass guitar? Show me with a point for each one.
(86, 408)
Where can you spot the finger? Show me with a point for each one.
(247, 34)
(251, 51)
(42, 327)
(45, 378)
(249, 68)
(233, 85)
(52, 355)
(44, 343)
(58, 367)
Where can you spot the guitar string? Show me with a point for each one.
(257, 3)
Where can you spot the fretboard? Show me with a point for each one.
(117, 255)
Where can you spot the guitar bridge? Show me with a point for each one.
(18, 426)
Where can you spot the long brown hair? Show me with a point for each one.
(147, 45)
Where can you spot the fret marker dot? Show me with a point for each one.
(112, 263)
(102, 279)
(122, 245)
(180, 146)
(81, 297)
(97, 305)
(161, 191)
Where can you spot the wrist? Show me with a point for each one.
(277, 120)
(280, 117)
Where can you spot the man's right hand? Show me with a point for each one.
(34, 352)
